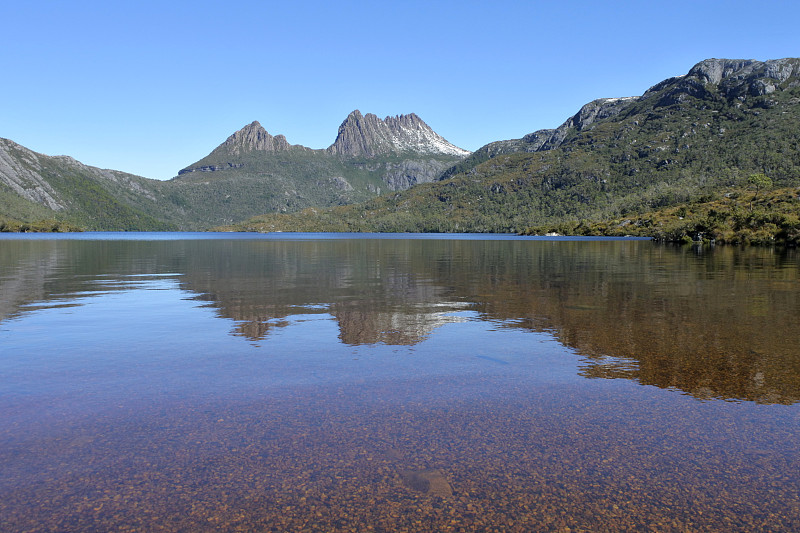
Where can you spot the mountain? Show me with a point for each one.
(390, 154)
(251, 172)
(686, 138)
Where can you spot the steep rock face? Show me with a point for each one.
(34, 187)
(733, 73)
(48, 180)
(593, 111)
(368, 136)
(405, 174)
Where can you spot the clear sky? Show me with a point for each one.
(151, 87)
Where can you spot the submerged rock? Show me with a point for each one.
(429, 481)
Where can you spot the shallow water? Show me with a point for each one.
(335, 382)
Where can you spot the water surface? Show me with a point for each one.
(338, 382)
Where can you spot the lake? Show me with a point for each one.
(332, 382)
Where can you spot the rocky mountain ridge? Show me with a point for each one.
(369, 156)
(359, 136)
(19, 171)
(369, 136)
(251, 172)
(734, 80)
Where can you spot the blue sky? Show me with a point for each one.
(151, 87)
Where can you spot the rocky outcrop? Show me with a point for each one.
(734, 72)
(368, 136)
(729, 78)
(210, 168)
(593, 111)
(546, 139)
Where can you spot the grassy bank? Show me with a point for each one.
(9, 225)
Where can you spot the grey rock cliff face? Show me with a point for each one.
(588, 114)
(28, 174)
(405, 174)
(368, 136)
(734, 71)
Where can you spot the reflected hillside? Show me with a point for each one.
(41, 273)
(715, 324)
(24, 271)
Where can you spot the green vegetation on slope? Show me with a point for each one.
(739, 216)
(95, 207)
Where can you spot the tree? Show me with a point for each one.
(759, 181)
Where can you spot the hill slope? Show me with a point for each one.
(34, 186)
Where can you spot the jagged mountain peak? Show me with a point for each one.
(253, 137)
(250, 139)
(367, 135)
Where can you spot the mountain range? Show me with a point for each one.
(685, 138)
(250, 173)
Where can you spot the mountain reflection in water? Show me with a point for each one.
(714, 323)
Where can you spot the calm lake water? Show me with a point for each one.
(202, 382)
